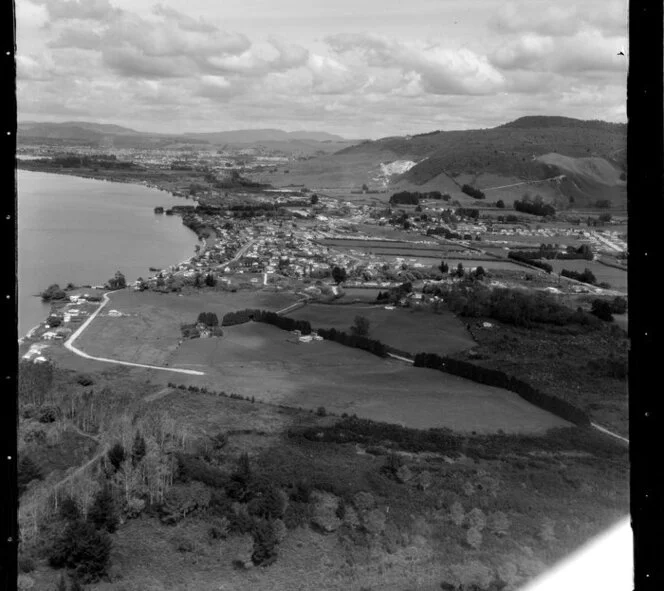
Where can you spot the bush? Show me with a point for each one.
(69, 510)
(27, 472)
(26, 564)
(82, 549)
(265, 543)
(297, 514)
(184, 499)
(321, 412)
(84, 380)
(602, 309)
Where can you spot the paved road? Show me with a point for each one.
(69, 344)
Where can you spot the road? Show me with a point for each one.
(69, 344)
(560, 176)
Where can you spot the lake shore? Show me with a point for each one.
(34, 289)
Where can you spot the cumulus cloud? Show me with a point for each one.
(581, 53)
(441, 70)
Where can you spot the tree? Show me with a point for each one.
(360, 327)
(116, 455)
(339, 274)
(103, 513)
(117, 281)
(210, 280)
(480, 272)
(459, 270)
(138, 449)
(314, 199)
(84, 550)
(602, 309)
(444, 267)
(53, 292)
(500, 204)
(365, 188)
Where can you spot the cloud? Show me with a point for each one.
(584, 52)
(329, 76)
(441, 70)
(32, 68)
(98, 10)
(608, 17)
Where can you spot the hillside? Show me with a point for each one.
(589, 153)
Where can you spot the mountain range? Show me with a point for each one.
(306, 142)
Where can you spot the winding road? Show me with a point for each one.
(69, 344)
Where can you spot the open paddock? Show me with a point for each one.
(616, 278)
(409, 330)
(148, 331)
(263, 361)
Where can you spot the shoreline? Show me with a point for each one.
(29, 334)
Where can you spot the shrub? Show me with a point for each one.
(69, 510)
(602, 309)
(321, 412)
(83, 549)
(27, 472)
(84, 380)
(474, 538)
(219, 529)
(499, 523)
(586, 276)
(265, 543)
(26, 564)
(182, 500)
(477, 519)
(457, 514)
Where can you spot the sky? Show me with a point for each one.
(357, 68)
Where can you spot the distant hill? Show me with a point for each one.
(510, 154)
(299, 142)
(251, 136)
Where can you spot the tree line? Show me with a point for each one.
(523, 258)
(500, 379)
(536, 207)
(472, 191)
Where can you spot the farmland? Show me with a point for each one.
(616, 278)
(410, 330)
(267, 363)
(148, 330)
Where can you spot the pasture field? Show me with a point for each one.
(534, 241)
(149, 329)
(269, 364)
(410, 330)
(616, 278)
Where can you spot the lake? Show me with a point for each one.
(79, 230)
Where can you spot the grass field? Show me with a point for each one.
(409, 330)
(616, 278)
(262, 361)
(149, 330)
